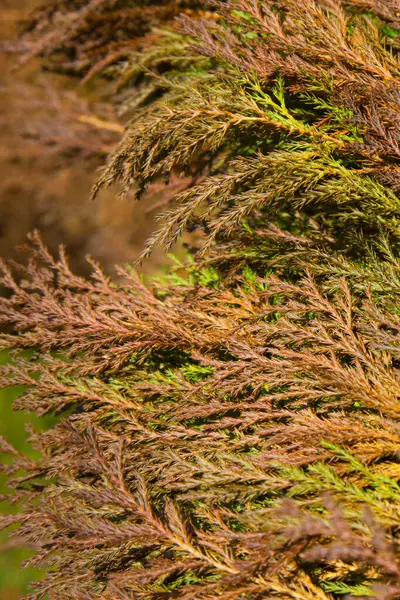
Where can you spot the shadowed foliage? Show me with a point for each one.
(230, 429)
(83, 37)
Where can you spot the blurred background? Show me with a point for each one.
(54, 135)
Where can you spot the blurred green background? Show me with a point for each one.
(13, 579)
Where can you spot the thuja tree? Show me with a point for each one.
(231, 429)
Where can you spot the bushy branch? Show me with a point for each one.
(231, 429)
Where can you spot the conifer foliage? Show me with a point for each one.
(83, 36)
(231, 429)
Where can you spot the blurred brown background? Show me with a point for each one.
(52, 141)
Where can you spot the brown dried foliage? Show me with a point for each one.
(232, 430)
(84, 37)
(199, 408)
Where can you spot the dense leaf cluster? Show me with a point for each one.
(230, 430)
(81, 37)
